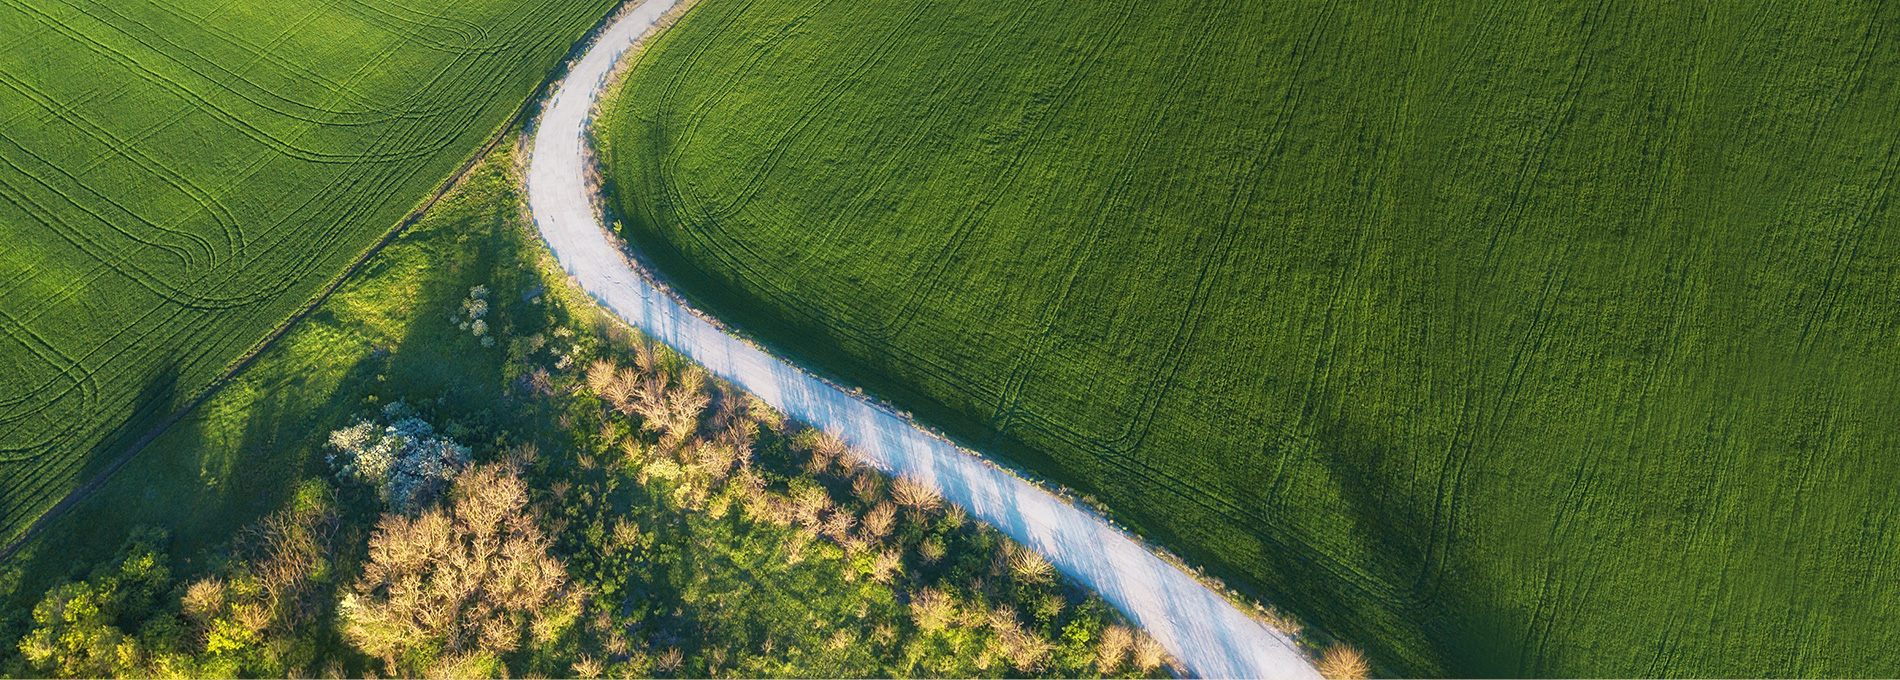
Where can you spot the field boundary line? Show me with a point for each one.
(528, 108)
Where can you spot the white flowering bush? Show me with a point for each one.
(469, 317)
(404, 459)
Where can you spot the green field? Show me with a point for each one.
(177, 177)
(1525, 338)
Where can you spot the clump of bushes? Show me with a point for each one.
(252, 615)
(957, 597)
(404, 459)
(451, 590)
(470, 316)
(81, 629)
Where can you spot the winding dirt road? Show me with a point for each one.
(1206, 633)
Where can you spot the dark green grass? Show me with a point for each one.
(1499, 339)
(178, 176)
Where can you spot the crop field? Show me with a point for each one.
(177, 177)
(1522, 339)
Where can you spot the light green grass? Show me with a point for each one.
(1526, 338)
(178, 176)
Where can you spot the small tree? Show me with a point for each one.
(458, 582)
(76, 627)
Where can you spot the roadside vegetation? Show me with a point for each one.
(1507, 339)
(178, 178)
(457, 467)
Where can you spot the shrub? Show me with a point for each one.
(464, 579)
(1116, 640)
(1342, 662)
(405, 460)
(1149, 653)
(914, 494)
(877, 523)
(1028, 565)
(933, 610)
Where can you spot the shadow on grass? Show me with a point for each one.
(384, 336)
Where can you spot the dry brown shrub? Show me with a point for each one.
(600, 376)
(887, 565)
(680, 412)
(671, 407)
(915, 494)
(780, 510)
(587, 667)
(619, 392)
(842, 639)
(541, 382)
(285, 550)
(1342, 662)
(646, 355)
(205, 599)
(520, 456)
(835, 450)
(634, 394)
(829, 443)
(468, 576)
(717, 460)
(810, 502)
(795, 547)
(739, 436)
(670, 660)
(878, 522)
(1149, 654)
(1028, 565)
(253, 617)
(885, 633)
(933, 610)
(1002, 617)
(838, 525)
(819, 463)
(1116, 639)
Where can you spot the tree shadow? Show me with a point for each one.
(382, 337)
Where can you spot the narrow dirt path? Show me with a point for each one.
(1208, 634)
